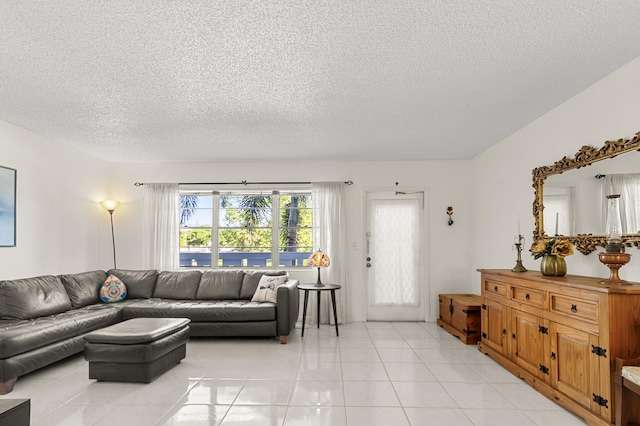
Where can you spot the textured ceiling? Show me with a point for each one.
(203, 80)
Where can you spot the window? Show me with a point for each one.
(558, 211)
(245, 229)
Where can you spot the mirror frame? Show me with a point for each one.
(587, 155)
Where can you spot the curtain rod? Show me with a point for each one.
(244, 182)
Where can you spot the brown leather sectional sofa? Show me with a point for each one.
(43, 319)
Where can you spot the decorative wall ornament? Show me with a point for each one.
(587, 155)
(450, 213)
(7, 207)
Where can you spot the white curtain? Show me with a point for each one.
(628, 186)
(160, 231)
(329, 217)
(393, 246)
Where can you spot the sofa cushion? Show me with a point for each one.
(267, 288)
(177, 285)
(113, 290)
(139, 284)
(251, 280)
(33, 297)
(84, 288)
(221, 285)
(20, 336)
(201, 310)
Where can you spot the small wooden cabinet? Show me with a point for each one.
(460, 316)
(562, 335)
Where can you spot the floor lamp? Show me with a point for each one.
(111, 206)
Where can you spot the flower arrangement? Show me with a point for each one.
(551, 247)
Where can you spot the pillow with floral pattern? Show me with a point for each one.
(113, 290)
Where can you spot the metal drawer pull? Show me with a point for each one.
(495, 288)
(574, 308)
(527, 296)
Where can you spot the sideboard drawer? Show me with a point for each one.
(493, 287)
(579, 308)
(527, 296)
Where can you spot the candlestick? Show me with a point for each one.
(556, 223)
(519, 266)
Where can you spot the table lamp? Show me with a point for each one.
(614, 257)
(319, 260)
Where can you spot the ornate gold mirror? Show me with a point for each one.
(576, 186)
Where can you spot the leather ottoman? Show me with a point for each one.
(136, 350)
(15, 412)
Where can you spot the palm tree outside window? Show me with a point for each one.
(245, 229)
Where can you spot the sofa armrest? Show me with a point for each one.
(287, 306)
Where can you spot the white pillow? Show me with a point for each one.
(267, 288)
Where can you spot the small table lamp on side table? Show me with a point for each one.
(319, 260)
(319, 289)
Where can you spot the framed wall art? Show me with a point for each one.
(7, 207)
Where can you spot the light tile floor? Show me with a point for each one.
(373, 374)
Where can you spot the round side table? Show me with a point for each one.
(319, 289)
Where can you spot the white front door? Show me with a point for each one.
(394, 256)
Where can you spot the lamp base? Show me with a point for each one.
(614, 262)
(318, 282)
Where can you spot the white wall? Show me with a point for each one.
(446, 183)
(60, 226)
(608, 110)
(62, 229)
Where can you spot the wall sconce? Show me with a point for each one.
(450, 213)
(111, 206)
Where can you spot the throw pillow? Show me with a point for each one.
(113, 290)
(267, 288)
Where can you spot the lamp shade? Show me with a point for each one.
(319, 259)
(110, 205)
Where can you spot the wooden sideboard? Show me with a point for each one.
(561, 334)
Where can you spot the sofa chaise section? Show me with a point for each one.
(43, 319)
(39, 326)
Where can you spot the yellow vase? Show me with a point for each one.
(554, 266)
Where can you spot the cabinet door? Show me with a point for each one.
(575, 368)
(528, 340)
(494, 326)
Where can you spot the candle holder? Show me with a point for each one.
(519, 266)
